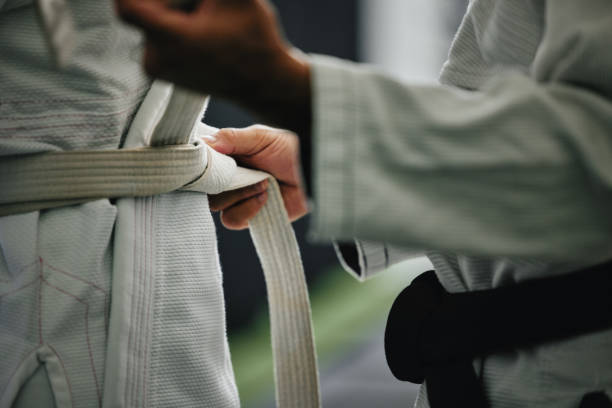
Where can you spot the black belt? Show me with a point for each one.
(434, 335)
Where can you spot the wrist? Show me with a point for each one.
(282, 95)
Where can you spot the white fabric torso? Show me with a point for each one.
(56, 279)
(497, 36)
(513, 169)
(87, 105)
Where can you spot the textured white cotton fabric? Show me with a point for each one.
(505, 172)
(135, 252)
(55, 266)
(167, 340)
(55, 297)
(192, 349)
(90, 103)
(58, 272)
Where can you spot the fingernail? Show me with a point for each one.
(261, 197)
(222, 145)
(210, 139)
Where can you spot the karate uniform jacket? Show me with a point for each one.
(80, 325)
(501, 174)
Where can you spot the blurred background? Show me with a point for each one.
(410, 40)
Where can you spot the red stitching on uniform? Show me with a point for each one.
(40, 276)
(142, 276)
(125, 394)
(93, 366)
(10, 292)
(65, 292)
(146, 355)
(40, 336)
(144, 282)
(65, 372)
(18, 271)
(87, 283)
(32, 352)
(73, 276)
(17, 368)
(38, 279)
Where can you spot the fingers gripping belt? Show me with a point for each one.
(54, 179)
(295, 368)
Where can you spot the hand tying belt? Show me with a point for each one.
(434, 336)
(48, 180)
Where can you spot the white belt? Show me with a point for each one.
(54, 179)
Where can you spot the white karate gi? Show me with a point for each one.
(503, 174)
(58, 291)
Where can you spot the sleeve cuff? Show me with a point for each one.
(365, 259)
(333, 138)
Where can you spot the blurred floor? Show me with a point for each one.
(363, 380)
(349, 323)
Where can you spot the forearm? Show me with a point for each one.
(230, 49)
(281, 93)
(282, 97)
(506, 171)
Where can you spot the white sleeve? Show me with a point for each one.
(365, 259)
(520, 168)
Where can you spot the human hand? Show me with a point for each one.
(228, 48)
(272, 150)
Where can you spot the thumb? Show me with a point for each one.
(240, 142)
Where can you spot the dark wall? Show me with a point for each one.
(314, 26)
